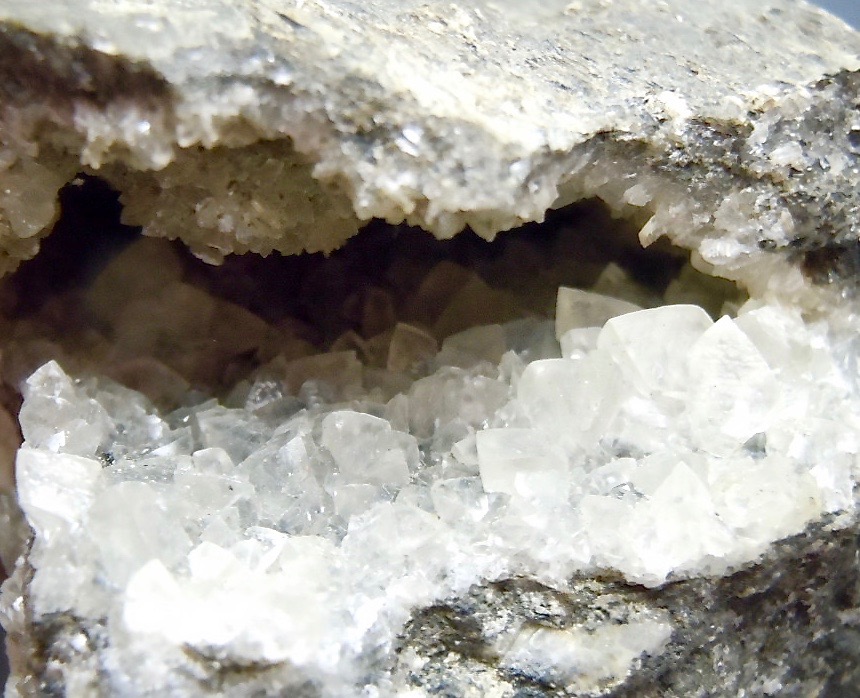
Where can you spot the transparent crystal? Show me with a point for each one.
(367, 450)
(307, 516)
(521, 462)
(732, 390)
(576, 308)
(570, 401)
(651, 346)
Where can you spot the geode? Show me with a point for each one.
(566, 466)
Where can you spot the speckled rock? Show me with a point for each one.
(785, 627)
(265, 126)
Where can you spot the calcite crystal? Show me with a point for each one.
(568, 467)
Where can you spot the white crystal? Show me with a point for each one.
(461, 499)
(55, 490)
(763, 500)
(453, 395)
(225, 609)
(137, 525)
(59, 417)
(673, 526)
(651, 346)
(367, 450)
(352, 498)
(732, 391)
(570, 401)
(785, 341)
(234, 431)
(521, 462)
(287, 494)
(576, 308)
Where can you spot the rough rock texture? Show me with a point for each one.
(267, 125)
(778, 628)
(241, 126)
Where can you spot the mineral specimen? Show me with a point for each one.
(561, 469)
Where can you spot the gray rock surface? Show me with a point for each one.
(730, 126)
(786, 627)
(239, 126)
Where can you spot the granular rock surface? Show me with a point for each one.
(241, 125)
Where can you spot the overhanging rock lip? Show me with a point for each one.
(445, 117)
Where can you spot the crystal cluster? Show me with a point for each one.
(192, 327)
(296, 525)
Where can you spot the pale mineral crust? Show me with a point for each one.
(239, 126)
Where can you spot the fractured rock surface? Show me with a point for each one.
(270, 125)
(622, 486)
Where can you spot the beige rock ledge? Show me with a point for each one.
(241, 126)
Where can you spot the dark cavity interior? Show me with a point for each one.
(100, 297)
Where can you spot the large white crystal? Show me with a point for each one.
(651, 346)
(55, 491)
(59, 418)
(570, 401)
(732, 390)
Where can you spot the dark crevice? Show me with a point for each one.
(832, 263)
(571, 247)
(88, 233)
(62, 72)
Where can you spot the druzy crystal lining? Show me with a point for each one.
(307, 526)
